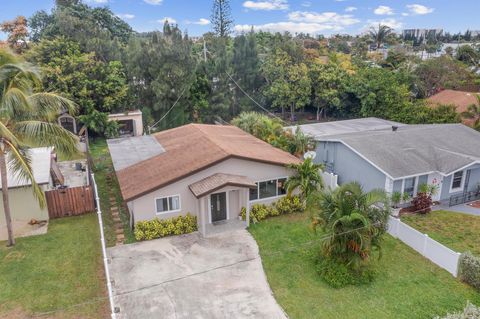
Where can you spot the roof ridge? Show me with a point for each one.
(207, 136)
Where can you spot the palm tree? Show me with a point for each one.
(353, 222)
(307, 178)
(473, 113)
(301, 143)
(380, 34)
(27, 119)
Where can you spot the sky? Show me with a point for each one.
(308, 16)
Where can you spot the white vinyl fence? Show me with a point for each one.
(422, 243)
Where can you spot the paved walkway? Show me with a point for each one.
(190, 276)
(463, 208)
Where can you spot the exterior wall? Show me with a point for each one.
(135, 117)
(397, 185)
(349, 166)
(474, 180)
(143, 208)
(23, 206)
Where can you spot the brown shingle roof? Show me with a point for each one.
(191, 148)
(217, 181)
(460, 99)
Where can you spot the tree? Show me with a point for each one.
(288, 83)
(300, 143)
(17, 33)
(353, 223)
(307, 178)
(380, 34)
(473, 113)
(27, 119)
(468, 55)
(82, 77)
(222, 18)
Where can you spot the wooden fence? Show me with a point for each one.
(70, 201)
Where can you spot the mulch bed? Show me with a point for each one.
(475, 204)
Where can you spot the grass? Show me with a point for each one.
(460, 232)
(102, 168)
(55, 272)
(407, 285)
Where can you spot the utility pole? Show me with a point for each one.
(204, 51)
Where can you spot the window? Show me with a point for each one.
(267, 189)
(168, 204)
(457, 180)
(409, 186)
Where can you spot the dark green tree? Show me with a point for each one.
(222, 18)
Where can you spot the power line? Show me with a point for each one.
(165, 115)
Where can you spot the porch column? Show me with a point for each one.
(247, 199)
(203, 215)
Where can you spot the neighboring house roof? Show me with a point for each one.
(189, 149)
(217, 181)
(40, 163)
(318, 130)
(460, 99)
(416, 149)
(128, 151)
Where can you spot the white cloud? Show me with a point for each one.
(153, 2)
(126, 16)
(350, 9)
(267, 5)
(383, 10)
(306, 22)
(98, 1)
(169, 19)
(390, 22)
(418, 9)
(201, 21)
(340, 0)
(306, 4)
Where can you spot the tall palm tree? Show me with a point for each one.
(27, 119)
(473, 113)
(380, 34)
(307, 178)
(353, 222)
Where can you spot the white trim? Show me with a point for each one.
(266, 198)
(210, 206)
(462, 183)
(168, 211)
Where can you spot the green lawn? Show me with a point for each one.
(407, 286)
(102, 167)
(460, 232)
(59, 273)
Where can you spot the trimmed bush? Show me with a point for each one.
(422, 203)
(157, 228)
(285, 205)
(470, 312)
(338, 275)
(469, 269)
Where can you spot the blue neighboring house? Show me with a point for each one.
(398, 157)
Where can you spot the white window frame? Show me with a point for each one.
(276, 189)
(168, 203)
(462, 184)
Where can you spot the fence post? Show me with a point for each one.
(457, 270)
(425, 240)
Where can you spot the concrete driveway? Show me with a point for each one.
(192, 277)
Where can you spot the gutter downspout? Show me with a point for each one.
(104, 251)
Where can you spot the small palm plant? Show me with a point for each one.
(27, 119)
(380, 34)
(353, 223)
(396, 198)
(473, 113)
(307, 178)
(300, 143)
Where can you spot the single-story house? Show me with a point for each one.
(131, 122)
(460, 99)
(210, 171)
(23, 204)
(400, 158)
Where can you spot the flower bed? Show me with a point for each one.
(157, 228)
(285, 205)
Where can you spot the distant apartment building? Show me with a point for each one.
(418, 35)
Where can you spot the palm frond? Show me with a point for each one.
(47, 106)
(38, 133)
(14, 104)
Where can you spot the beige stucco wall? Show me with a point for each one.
(23, 206)
(143, 208)
(135, 117)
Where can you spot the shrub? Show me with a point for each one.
(470, 312)
(422, 203)
(395, 198)
(339, 275)
(469, 269)
(285, 205)
(156, 228)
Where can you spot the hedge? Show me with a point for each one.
(469, 269)
(285, 205)
(157, 228)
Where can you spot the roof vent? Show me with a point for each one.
(394, 128)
